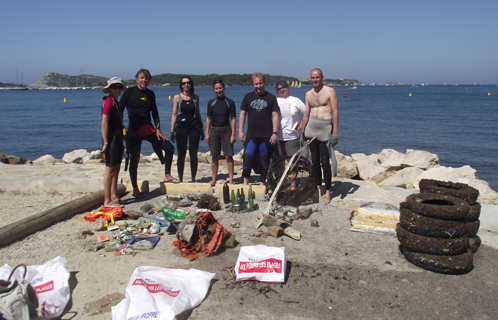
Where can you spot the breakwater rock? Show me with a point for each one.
(388, 168)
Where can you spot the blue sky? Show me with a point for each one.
(447, 41)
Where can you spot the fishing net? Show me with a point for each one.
(298, 186)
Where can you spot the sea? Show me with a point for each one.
(459, 123)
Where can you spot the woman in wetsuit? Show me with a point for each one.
(220, 129)
(186, 126)
(112, 139)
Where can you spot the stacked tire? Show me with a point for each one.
(436, 225)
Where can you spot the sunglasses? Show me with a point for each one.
(117, 86)
(217, 81)
(281, 88)
(186, 82)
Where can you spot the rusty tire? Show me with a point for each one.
(454, 189)
(431, 245)
(437, 206)
(471, 228)
(430, 227)
(456, 264)
(474, 243)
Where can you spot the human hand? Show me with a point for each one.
(232, 139)
(334, 138)
(160, 135)
(273, 139)
(242, 136)
(206, 137)
(202, 135)
(104, 148)
(172, 136)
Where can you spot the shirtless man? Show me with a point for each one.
(321, 120)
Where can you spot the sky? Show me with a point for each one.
(431, 42)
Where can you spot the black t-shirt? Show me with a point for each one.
(221, 110)
(259, 110)
(139, 104)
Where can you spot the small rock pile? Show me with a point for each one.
(438, 227)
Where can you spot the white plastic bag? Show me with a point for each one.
(162, 293)
(51, 282)
(262, 263)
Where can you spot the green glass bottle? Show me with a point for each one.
(233, 197)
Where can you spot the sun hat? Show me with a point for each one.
(112, 81)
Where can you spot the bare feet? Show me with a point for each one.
(170, 178)
(327, 197)
(261, 183)
(212, 183)
(113, 205)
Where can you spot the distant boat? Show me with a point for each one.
(355, 87)
(293, 85)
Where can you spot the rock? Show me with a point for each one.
(346, 166)
(47, 159)
(237, 158)
(75, 156)
(153, 157)
(204, 157)
(10, 159)
(91, 156)
(420, 159)
(275, 231)
(368, 166)
(405, 178)
(382, 176)
(391, 159)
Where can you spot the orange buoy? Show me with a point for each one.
(65, 99)
(169, 97)
(410, 94)
(489, 93)
(345, 95)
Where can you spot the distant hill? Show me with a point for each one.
(52, 79)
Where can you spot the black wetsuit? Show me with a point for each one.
(140, 104)
(188, 133)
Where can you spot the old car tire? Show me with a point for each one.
(474, 243)
(436, 206)
(474, 212)
(457, 264)
(430, 227)
(455, 189)
(471, 228)
(431, 245)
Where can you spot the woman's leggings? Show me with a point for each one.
(265, 149)
(187, 135)
(134, 145)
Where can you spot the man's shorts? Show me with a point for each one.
(287, 148)
(220, 137)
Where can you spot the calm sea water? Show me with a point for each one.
(458, 123)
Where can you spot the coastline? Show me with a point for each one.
(333, 272)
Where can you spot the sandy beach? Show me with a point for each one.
(332, 271)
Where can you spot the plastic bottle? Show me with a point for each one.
(172, 215)
(226, 193)
(233, 197)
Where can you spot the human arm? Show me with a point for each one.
(242, 119)
(232, 137)
(335, 118)
(105, 132)
(174, 113)
(275, 123)
(301, 108)
(306, 116)
(208, 125)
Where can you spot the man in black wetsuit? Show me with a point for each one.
(263, 120)
(140, 103)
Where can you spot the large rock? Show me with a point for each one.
(391, 159)
(420, 159)
(75, 156)
(368, 166)
(405, 178)
(47, 159)
(346, 166)
(10, 159)
(91, 156)
(237, 158)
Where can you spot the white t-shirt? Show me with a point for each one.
(290, 109)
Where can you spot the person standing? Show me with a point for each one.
(262, 111)
(186, 126)
(140, 102)
(220, 130)
(112, 139)
(321, 120)
(290, 128)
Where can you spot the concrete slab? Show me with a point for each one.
(488, 230)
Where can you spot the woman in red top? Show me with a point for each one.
(112, 136)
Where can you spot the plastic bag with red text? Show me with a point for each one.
(262, 263)
(162, 293)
